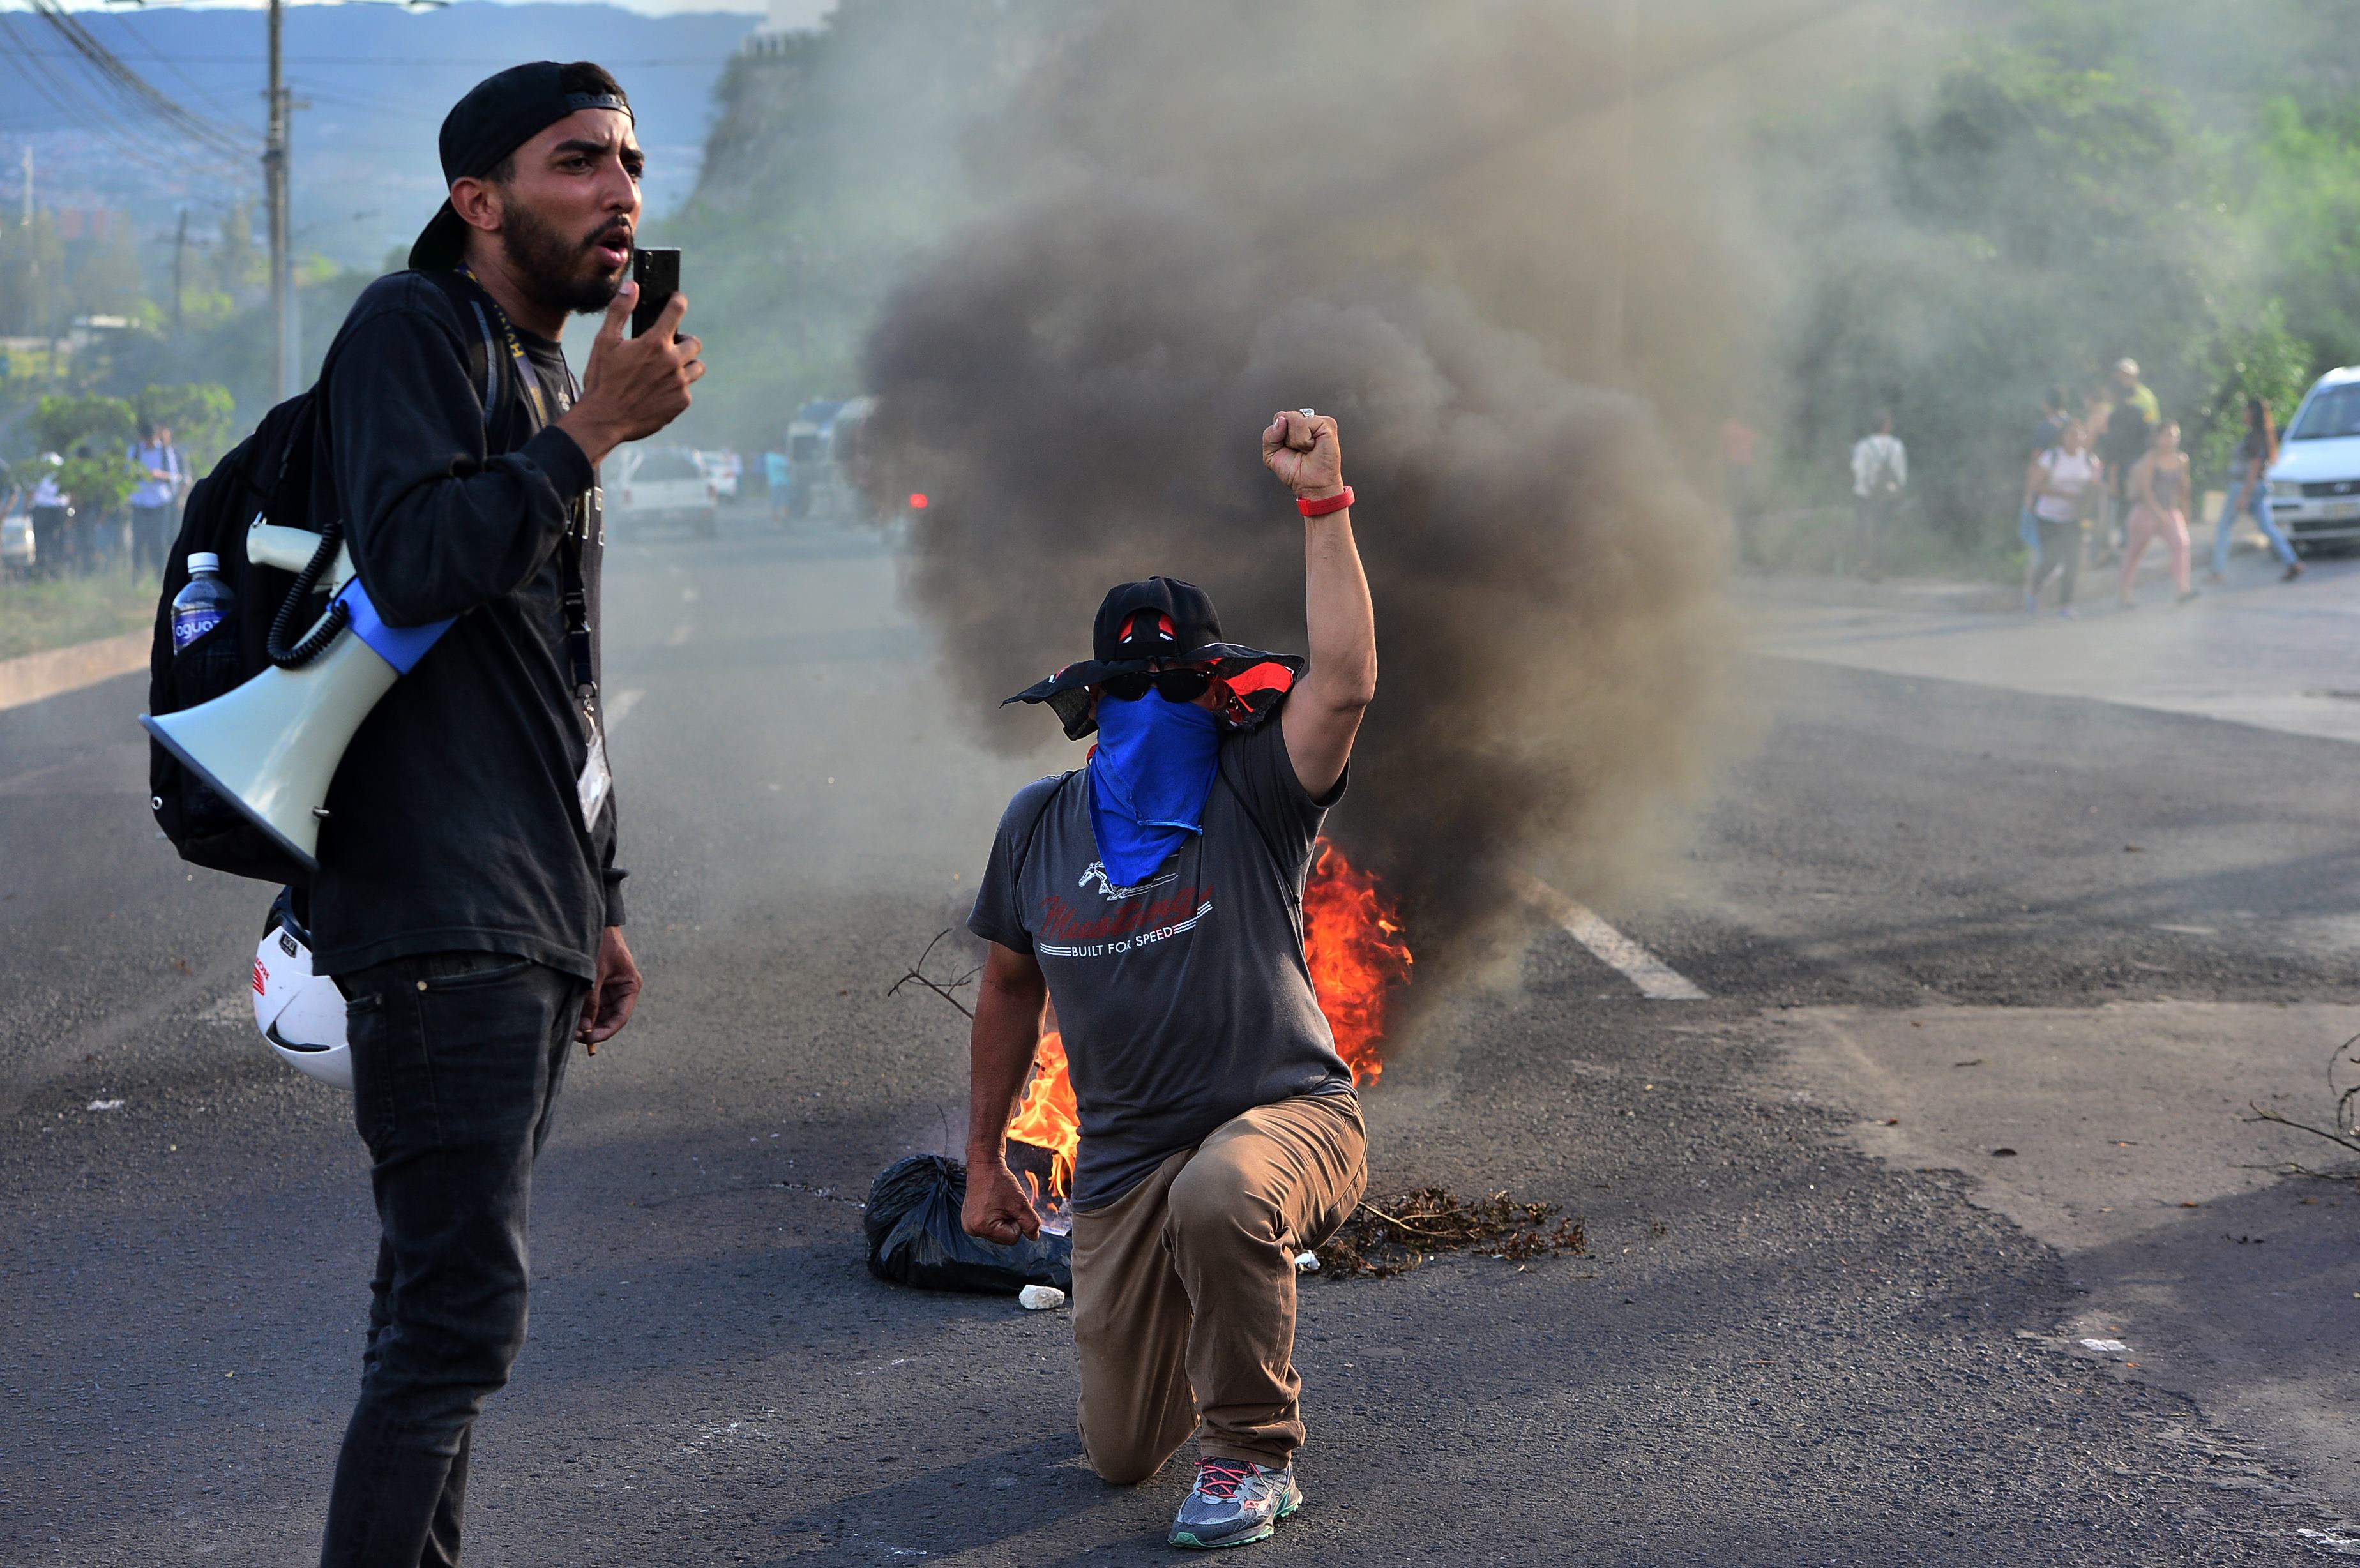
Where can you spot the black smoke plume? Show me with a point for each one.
(1203, 213)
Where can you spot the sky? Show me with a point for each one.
(372, 83)
(784, 13)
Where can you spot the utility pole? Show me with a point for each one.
(283, 345)
(28, 219)
(180, 270)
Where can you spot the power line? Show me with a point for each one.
(134, 90)
(717, 61)
(70, 98)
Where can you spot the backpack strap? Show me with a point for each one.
(484, 361)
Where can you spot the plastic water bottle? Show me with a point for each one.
(211, 671)
(203, 605)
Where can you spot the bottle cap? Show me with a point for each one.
(202, 560)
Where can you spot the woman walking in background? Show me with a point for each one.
(2063, 482)
(2250, 490)
(2158, 494)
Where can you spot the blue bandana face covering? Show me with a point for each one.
(1149, 780)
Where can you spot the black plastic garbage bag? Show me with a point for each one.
(914, 1237)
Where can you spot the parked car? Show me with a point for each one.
(18, 547)
(664, 486)
(2315, 483)
(18, 550)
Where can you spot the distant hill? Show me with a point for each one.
(377, 80)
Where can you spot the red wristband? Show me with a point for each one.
(1326, 504)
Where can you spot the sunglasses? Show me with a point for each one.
(1171, 685)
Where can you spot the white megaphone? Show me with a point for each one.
(270, 748)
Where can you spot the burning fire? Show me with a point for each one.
(1353, 944)
(1351, 937)
(1048, 1118)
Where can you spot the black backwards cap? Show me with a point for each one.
(1175, 622)
(500, 114)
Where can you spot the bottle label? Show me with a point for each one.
(193, 622)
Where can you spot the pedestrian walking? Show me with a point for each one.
(2249, 492)
(52, 510)
(156, 501)
(2158, 491)
(774, 479)
(2119, 443)
(2065, 483)
(2044, 434)
(1155, 895)
(1880, 473)
(469, 901)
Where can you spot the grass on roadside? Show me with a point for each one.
(35, 617)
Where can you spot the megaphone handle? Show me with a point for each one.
(402, 646)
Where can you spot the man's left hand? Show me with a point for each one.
(613, 995)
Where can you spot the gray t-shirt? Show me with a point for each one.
(1183, 1001)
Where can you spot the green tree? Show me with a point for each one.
(2307, 207)
(63, 421)
(2037, 223)
(2263, 361)
(92, 431)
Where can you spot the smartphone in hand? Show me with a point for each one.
(657, 272)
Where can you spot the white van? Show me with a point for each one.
(2315, 483)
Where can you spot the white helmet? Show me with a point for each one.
(300, 1013)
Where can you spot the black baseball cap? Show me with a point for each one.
(1164, 618)
(500, 114)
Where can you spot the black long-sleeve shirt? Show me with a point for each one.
(453, 821)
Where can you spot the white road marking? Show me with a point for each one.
(1656, 980)
(620, 704)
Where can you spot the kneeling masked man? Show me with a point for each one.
(1156, 893)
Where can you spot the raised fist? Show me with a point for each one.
(1301, 448)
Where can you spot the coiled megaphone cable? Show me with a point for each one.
(307, 582)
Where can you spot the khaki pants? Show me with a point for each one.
(1183, 1289)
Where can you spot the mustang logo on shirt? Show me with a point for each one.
(1098, 874)
(1065, 931)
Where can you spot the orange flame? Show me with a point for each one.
(1351, 939)
(1352, 943)
(1047, 1118)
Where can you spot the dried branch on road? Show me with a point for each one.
(1395, 1235)
(947, 990)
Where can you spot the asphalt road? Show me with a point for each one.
(1820, 1320)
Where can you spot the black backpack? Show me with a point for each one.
(267, 476)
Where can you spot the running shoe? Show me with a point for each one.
(1234, 1503)
(2294, 570)
(2067, 614)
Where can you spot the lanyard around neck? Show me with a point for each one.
(576, 599)
(525, 376)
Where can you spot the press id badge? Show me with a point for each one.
(597, 782)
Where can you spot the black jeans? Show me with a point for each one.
(457, 1058)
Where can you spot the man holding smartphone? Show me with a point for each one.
(469, 901)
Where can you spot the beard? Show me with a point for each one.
(557, 271)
